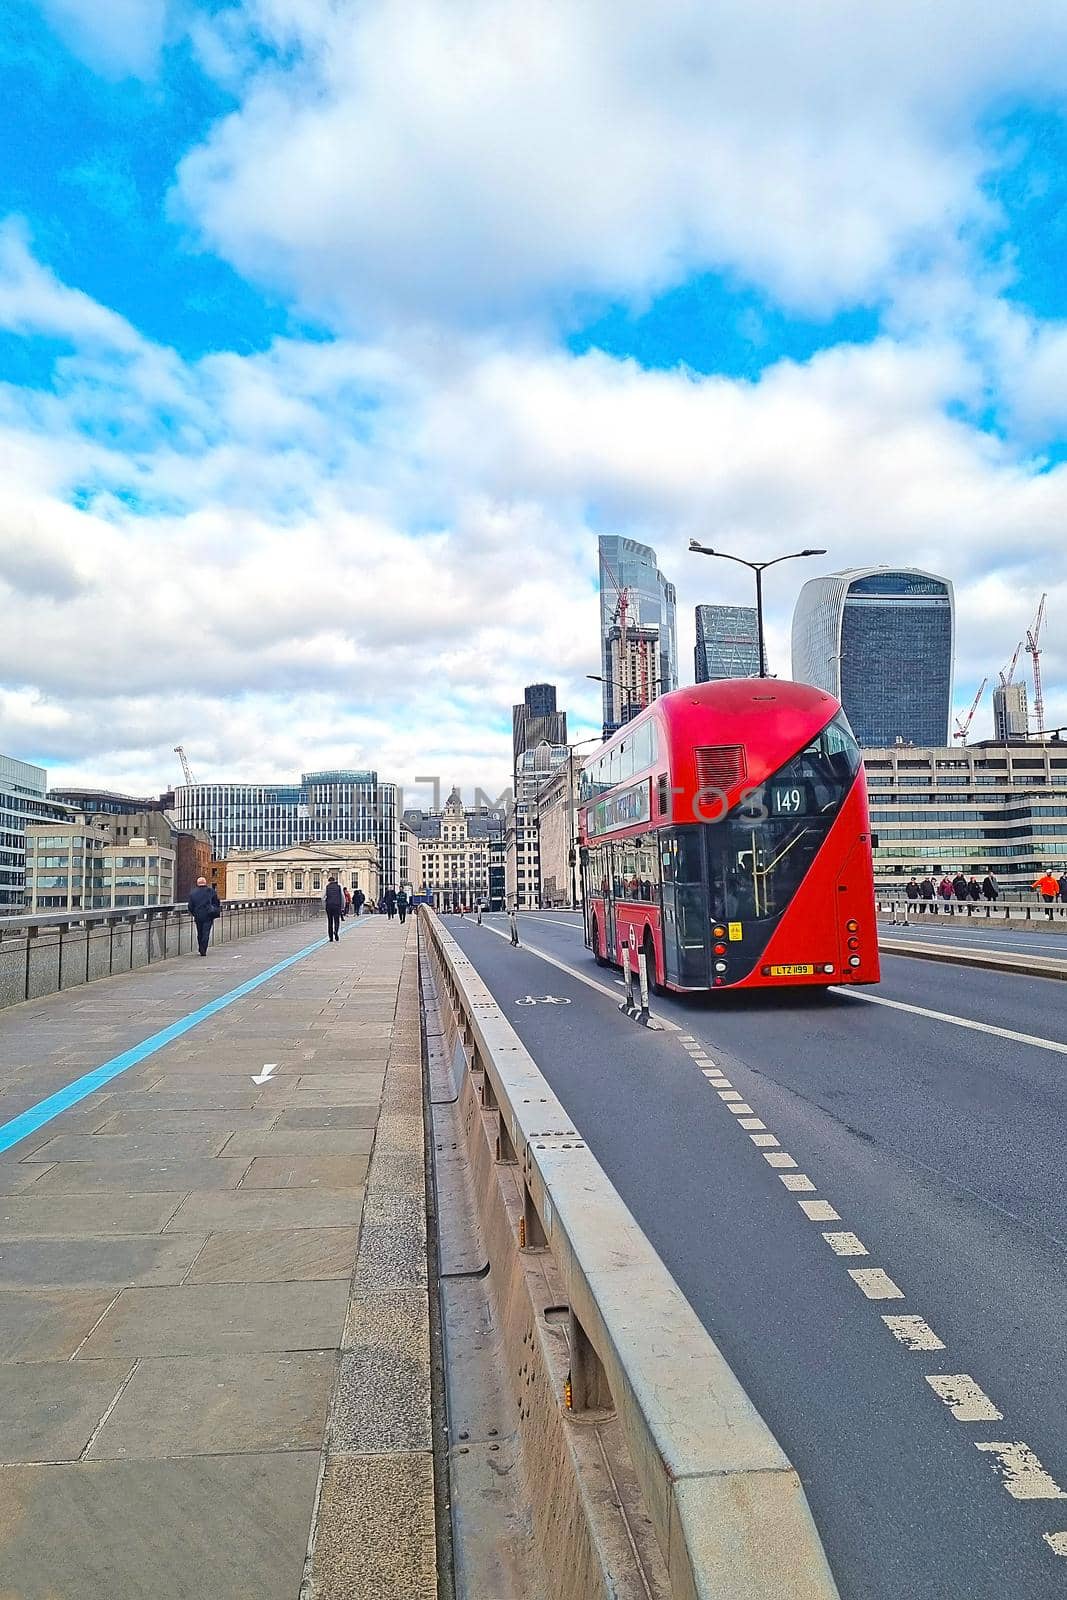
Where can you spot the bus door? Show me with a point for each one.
(686, 925)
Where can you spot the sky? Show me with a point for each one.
(333, 332)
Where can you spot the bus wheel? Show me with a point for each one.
(649, 951)
(601, 961)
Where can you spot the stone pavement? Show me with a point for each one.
(199, 1274)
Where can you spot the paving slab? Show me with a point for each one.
(376, 1529)
(306, 1172)
(301, 1142)
(327, 1115)
(234, 1527)
(383, 1401)
(275, 1255)
(267, 1208)
(61, 1216)
(129, 1147)
(14, 1178)
(48, 1409)
(159, 1122)
(219, 1405)
(202, 1319)
(88, 1263)
(48, 1324)
(144, 1177)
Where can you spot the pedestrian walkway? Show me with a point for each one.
(186, 1296)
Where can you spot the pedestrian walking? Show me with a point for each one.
(926, 893)
(990, 887)
(912, 889)
(335, 904)
(974, 889)
(959, 886)
(945, 889)
(204, 908)
(390, 903)
(348, 903)
(359, 900)
(402, 905)
(1063, 886)
(1047, 887)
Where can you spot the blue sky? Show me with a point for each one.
(323, 360)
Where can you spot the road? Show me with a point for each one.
(978, 934)
(881, 1163)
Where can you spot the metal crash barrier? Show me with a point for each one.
(727, 1508)
(42, 953)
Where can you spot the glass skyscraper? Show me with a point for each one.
(22, 801)
(881, 640)
(652, 605)
(727, 643)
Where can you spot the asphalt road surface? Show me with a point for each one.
(864, 1200)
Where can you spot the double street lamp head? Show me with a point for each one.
(758, 567)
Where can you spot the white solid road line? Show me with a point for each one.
(957, 1022)
(1024, 1476)
(964, 1398)
(913, 1332)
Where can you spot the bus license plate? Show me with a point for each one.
(792, 972)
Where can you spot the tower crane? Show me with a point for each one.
(1007, 673)
(179, 751)
(622, 608)
(963, 725)
(1033, 647)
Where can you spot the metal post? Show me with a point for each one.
(514, 927)
(628, 979)
(759, 622)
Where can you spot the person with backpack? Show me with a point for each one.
(204, 908)
(402, 905)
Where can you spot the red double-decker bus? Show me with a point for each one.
(724, 832)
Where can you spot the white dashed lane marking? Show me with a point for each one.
(779, 1158)
(876, 1284)
(763, 1141)
(798, 1182)
(1057, 1543)
(913, 1332)
(818, 1211)
(964, 1398)
(1024, 1476)
(751, 1122)
(743, 1110)
(728, 1094)
(845, 1244)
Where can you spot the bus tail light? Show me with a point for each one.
(853, 944)
(720, 949)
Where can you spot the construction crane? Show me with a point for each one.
(963, 725)
(180, 753)
(622, 608)
(1007, 673)
(1033, 648)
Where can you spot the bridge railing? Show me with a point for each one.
(728, 1509)
(44, 952)
(1006, 908)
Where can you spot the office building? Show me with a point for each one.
(78, 866)
(458, 851)
(727, 643)
(881, 640)
(324, 807)
(137, 816)
(557, 838)
(989, 807)
(1011, 717)
(538, 746)
(23, 800)
(635, 598)
(302, 871)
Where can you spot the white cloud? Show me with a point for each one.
(481, 158)
(118, 37)
(360, 552)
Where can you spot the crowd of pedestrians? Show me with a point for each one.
(341, 903)
(926, 895)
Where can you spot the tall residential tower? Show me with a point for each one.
(881, 640)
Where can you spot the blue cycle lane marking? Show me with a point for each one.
(45, 1110)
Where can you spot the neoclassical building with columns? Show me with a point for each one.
(302, 870)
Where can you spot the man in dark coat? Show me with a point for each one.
(204, 908)
(390, 903)
(335, 905)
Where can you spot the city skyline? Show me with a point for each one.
(311, 471)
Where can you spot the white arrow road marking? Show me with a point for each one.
(268, 1068)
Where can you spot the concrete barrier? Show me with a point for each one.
(43, 952)
(598, 1335)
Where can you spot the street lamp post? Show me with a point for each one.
(759, 568)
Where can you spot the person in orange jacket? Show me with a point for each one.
(1047, 886)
